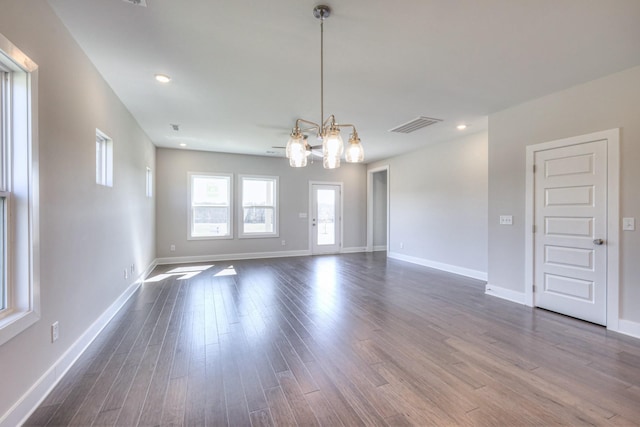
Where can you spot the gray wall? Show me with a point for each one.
(172, 203)
(438, 203)
(379, 193)
(88, 234)
(610, 102)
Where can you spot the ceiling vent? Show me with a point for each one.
(415, 124)
(142, 3)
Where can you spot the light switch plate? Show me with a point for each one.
(629, 224)
(506, 219)
(302, 215)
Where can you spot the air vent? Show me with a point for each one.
(142, 3)
(415, 124)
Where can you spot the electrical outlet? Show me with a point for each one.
(126, 273)
(628, 224)
(506, 220)
(55, 331)
(172, 248)
(284, 242)
(401, 245)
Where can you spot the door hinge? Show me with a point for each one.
(533, 228)
(533, 288)
(534, 168)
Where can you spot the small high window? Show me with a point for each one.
(104, 159)
(149, 181)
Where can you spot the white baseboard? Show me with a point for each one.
(379, 248)
(248, 255)
(147, 271)
(29, 402)
(504, 293)
(353, 250)
(230, 257)
(474, 274)
(629, 327)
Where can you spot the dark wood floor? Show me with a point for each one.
(343, 340)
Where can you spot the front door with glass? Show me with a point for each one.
(326, 230)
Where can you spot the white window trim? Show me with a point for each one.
(149, 183)
(104, 165)
(23, 269)
(189, 206)
(276, 213)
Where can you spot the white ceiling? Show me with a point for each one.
(243, 71)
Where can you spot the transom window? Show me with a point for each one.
(259, 210)
(210, 206)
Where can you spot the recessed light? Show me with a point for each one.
(182, 144)
(163, 78)
(461, 127)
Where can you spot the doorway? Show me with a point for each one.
(378, 209)
(572, 212)
(326, 218)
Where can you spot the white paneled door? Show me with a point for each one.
(570, 239)
(325, 218)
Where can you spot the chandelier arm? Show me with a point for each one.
(312, 124)
(346, 125)
(331, 120)
(309, 129)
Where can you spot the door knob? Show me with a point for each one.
(598, 242)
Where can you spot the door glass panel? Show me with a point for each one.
(326, 215)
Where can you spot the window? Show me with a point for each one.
(149, 181)
(210, 203)
(19, 274)
(104, 159)
(259, 210)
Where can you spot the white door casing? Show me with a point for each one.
(572, 202)
(325, 223)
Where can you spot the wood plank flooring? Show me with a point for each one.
(347, 340)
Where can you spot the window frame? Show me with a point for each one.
(242, 234)
(229, 178)
(5, 253)
(19, 185)
(149, 183)
(104, 159)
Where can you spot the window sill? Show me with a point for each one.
(15, 322)
(259, 236)
(209, 237)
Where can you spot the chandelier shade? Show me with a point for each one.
(355, 152)
(296, 150)
(328, 129)
(332, 144)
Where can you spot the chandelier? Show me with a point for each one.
(298, 149)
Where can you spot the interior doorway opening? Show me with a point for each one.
(378, 209)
